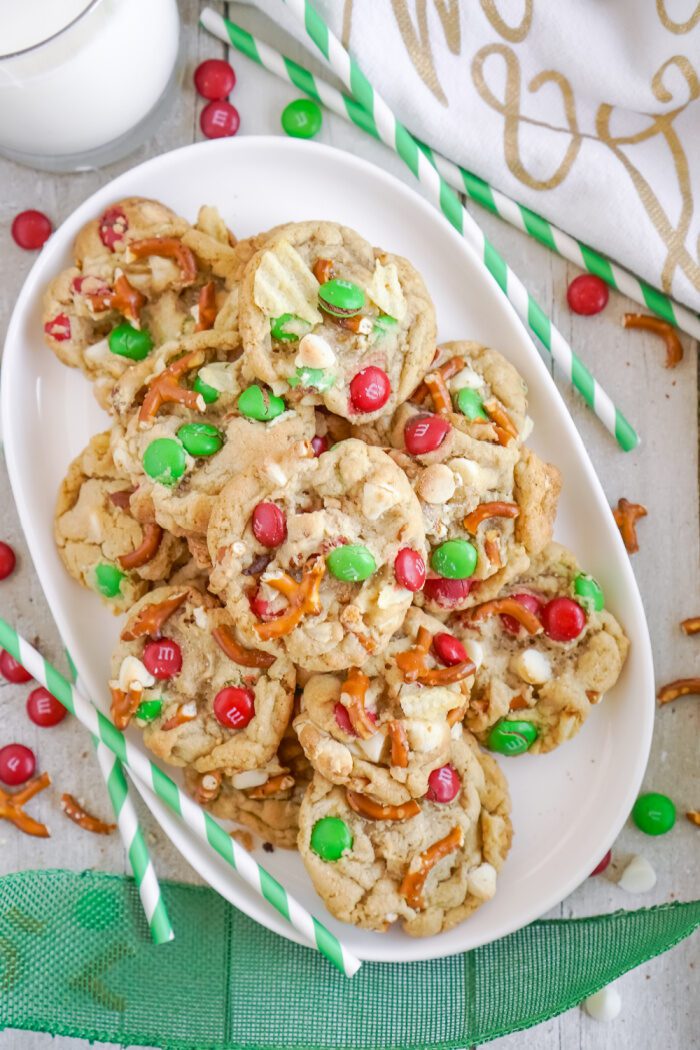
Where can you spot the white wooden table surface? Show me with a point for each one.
(660, 1000)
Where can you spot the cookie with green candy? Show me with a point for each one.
(190, 421)
(304, 552)
(547, 651)
(181, 673)
(100, 542)
(327, 319)
(427, 864)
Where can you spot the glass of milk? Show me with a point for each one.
(83, 82)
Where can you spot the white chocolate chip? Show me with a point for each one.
(275, 473)
(194, 311)
(428, 702)
(466, 378)
(250, 778)
(481, 882)
(425, 736)
(392, 595)
(391, 916)
(605, 1005)
(638, 876)
(134, 675)
(373, 746)
(220, 375)
(473, 475)
(475, 651)
(201, 403)
(436, 484)
(314, 352)
(457, 731)
(238, 548)
(189, 710)
(528, 427)
(200, 617)
(377, 499)
(98, 352)
(532, 665)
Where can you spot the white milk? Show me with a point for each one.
(89, 85)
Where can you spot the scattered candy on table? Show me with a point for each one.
(674, 347)
(44, 709)
(653, 813)
(626, 515)
(604, 1005)
(31, 229)
(587, 294)
(17, 764)
(80, 816)
(691, 625)
(680, 687)
(602, 865)
(638, 876)
(302, 118)
(12, 807)
(7, 560)
(214, 79)
(219, 120)
(11, 671)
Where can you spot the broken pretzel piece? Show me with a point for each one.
(352, 696)
(206, 308)
(150, 620)
(323, 270)
(691, 625)
(124, 705)
(274, 786)
(165, 388)
(414, 881)
(185, 713)
(303, 600)
(371, 810)
(12, 807)
(147, 549)
(681, 687)
(496, 509)
(674, 347)
(399, 744)
(166, 248)
(123, 298)
(693, 816)
(626, 515)
(413, 663)
(80, 816)
(506, 430)
(446, 370)
(500, 607)
(224, 638)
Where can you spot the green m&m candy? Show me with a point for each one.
(165, 460)
(257, 403)
(454, 559)
(331, 838)
(209, 394)
(318, 378)
(468, 402)
(341, 298)
(201, 439)
(108, 579)
(288, 328)
(302, 118)
(351, 563)
(384, 324)
(654, 814)
(148, 710)
(127, 341)
(511, 736)
(588, 593)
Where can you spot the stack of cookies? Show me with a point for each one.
(333, 548)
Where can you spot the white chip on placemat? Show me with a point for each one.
(385, 290)
(284, 284)
(605, 1005)
(638, 876)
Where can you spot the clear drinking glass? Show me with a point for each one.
(83, 82)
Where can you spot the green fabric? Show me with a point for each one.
(76, 959)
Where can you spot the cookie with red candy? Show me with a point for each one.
(547, 651)
(325, 318)
(181, 672)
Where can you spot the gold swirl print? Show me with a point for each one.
(672, 235)
(416, 37)
(510, 108)
(676, 27)
(514, 34)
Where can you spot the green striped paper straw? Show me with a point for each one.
(462, 180)
(197, 820)
(383, 125)
(132, 836)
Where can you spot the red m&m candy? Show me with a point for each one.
(529, 601)
(234, 707)
(563, 619)
(219, 120)
(424, 433)
(113, 225)
(7, 560)
(587, 294)
(443, 784)
(162, 657)
(214, 79)
(269, 525)
(44, 709)
(369, 389)
(319, 445)
(343, 718)
(31, 229)
(11, 670)
(409, 569)
(17, 764)
(446, 593)
(602, 865)
(449, 649)
(58, 328)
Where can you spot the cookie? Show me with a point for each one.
(385, 729)
(189, 423)
(142, 276)
(547, 651)
(100, 542)
(203, 700)
(265, 800)
(304, 554)
(327, 319)
(427, 865)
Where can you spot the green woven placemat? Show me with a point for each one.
(76, 959)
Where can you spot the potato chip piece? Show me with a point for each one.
(385, 290)
(209, 221)
(284, 284)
